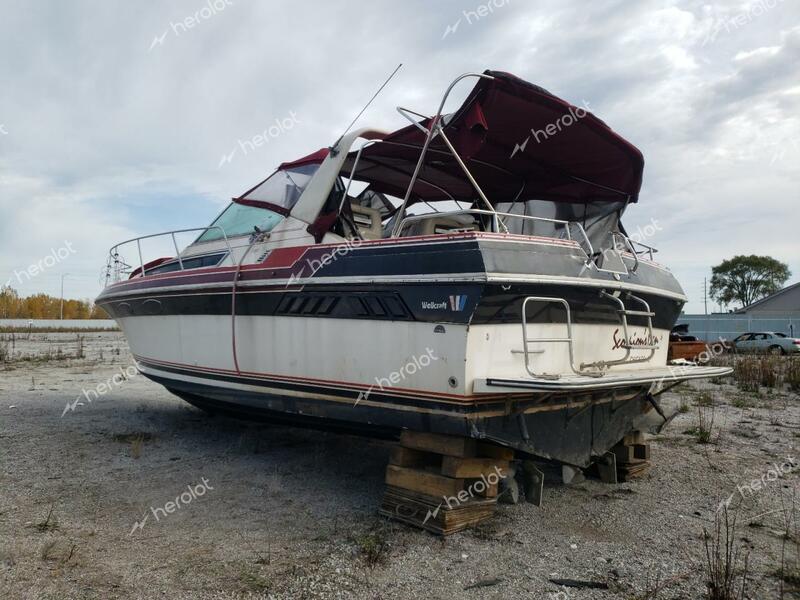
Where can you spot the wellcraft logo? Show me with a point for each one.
(434, 305)
(455, 304)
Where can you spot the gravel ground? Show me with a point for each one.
(288, 513)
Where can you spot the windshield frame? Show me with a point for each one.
(307, 171)
(216, 232)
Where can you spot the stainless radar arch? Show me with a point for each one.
(435, 128)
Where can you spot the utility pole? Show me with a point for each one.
(705, 304)
(62, 295)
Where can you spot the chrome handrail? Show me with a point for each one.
(622, 314)
(569, 340)
(649, 250)
(631, 249)
(113, 252)
(627, 244)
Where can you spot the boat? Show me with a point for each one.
(467, 274)
(684, 346)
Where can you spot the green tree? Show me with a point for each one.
(745, 279)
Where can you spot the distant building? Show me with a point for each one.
(781, 302)
(778, 312)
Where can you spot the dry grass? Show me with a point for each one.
(705, 398)
(792, 374)
(789, 572)
(136, 447)
(136, 441)
(747, 374)
(705, 425)
(6, 347)
(725, 569)
(751, 373)
(50, 522)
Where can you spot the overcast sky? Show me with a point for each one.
(118, 120)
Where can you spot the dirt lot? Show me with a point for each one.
(286, 513)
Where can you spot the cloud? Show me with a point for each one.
(112, 133)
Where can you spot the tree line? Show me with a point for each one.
(43, 306)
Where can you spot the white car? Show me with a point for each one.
(769, 341)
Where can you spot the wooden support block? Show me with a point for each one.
(423, 482)
(624, 454)
(641, 451)
(453, 466)
(490, 450)
(489, 492)
(637, 437)
(406, 457)
(449, 445)
(429, 513)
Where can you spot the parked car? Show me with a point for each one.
(769, 341)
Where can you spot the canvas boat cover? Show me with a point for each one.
(510, 133)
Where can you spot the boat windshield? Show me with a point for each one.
(241, 219)
(283, 188)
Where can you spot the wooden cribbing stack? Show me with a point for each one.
(443, 483)
(633, 456)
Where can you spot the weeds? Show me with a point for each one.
(47, 548)
(136, 447)
(771, 376)
(45, 329)
(747, 374)
(705, 425)
(789, 571)
(136, 440)
(725, 579)
(753, 372)
(705, 398)
(50, 522)
(253, 582)
(373, 547)
(792, 374)
(741, 402)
